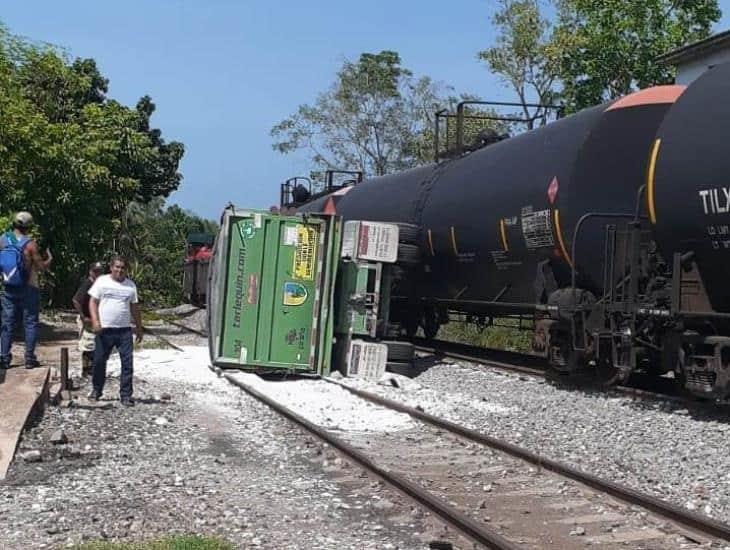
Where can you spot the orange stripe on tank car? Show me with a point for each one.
(649, 96)
(650, 179)
(503, 233)
(430, 243)
(453, 241)
(559, 233)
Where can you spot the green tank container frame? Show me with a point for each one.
(271, 290)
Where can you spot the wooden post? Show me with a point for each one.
(64, 369)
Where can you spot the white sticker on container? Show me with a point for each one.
(257, 221)
(243, 355)
(291, 236)
(537, 228)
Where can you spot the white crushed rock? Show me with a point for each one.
(329, 405)
(438, 402)
(318, 401)
(189, 366)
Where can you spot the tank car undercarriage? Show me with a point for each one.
(651, 318)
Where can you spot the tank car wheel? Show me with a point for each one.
(431, 324)
(397, 273)
(607, 373)
(408, 254)
(411, 325)
(408, 233)
(562, 358)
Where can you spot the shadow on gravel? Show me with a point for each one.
(701, 411)
(420, 365)
(285, 377)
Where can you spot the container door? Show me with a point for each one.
(273, 300)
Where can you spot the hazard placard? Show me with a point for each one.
(305, 254)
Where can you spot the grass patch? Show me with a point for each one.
(182, 542)
(150, 316)
(500, 337)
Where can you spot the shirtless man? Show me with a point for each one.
(21, 291)
(81, 303)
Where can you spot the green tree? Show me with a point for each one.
(375, 118)
(73, 157)
(525, 56)
(608, 47)
(153, 238)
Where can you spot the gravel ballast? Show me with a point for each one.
(656, 446)
(195, 455)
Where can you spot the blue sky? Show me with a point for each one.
(223, 72)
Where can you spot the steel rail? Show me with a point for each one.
(459, 521)
(478, 355)
(161, 338)
(698, 522)
(475, 354)
(185, 327)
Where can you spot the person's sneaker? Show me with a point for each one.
(127, 401)
(94, 395)
(32, 364)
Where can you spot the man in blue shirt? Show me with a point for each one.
(21, 292)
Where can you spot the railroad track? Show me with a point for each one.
(642, 387)
(185, 327)
(505, 360)
(500, 496)
(521, 363)
(532, 365)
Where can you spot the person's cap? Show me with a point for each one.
(23, 219)
(97, 267)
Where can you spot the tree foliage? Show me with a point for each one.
(608, 47)
(73, 157)
(525, 56)
(154, 239)
(376, 117)
(594, 50)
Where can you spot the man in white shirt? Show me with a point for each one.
(113, 303)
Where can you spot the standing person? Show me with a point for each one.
(20, 263)
(81, 304)
(113, 305)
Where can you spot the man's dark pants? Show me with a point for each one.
(25, 300)
(106, 340)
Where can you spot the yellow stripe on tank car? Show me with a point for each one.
(430, 243)
(503, 233)
(561, 242)
(650, 180)
(453, 241)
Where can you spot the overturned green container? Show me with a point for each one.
(270, 291)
